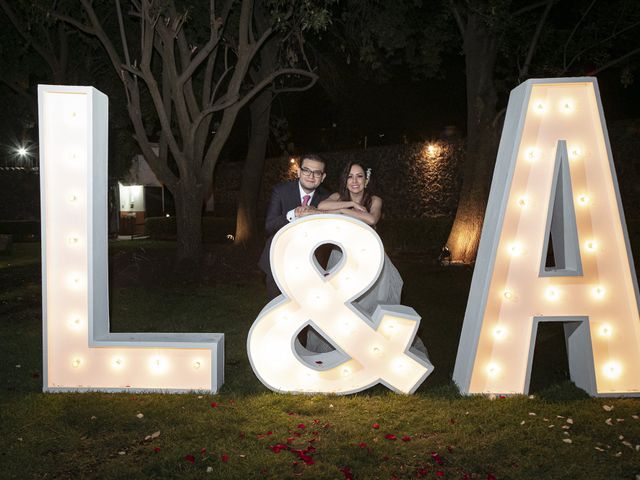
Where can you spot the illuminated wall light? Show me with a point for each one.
(598, 292)
(358, 361)
(532, 154)
(605, 330)
(591, 246)
(523, 201)
(507, 294)
(73, 171)
(515, 249)
(612, 369)
(603, 357)
(196, 365)
(552, 294)
(583, 199)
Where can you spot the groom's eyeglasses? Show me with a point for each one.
(309, 173)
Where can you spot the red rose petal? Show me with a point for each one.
(390, 436)
(302, 425)
(346, 471)
(156, 449)
(362, 445)
(376, 426)
(449, 448)
(225, 458)
(203, 451)
(190, 458)
(491, 476)
(440, 473)
(422, 472)
(278, 447)
(214, 404)
(436, 458)
(406, 438)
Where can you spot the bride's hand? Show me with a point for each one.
(358, 207)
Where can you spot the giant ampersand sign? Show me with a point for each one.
(367, 351)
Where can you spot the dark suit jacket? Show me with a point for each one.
(284, 197)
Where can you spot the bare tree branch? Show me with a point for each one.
(534, 40)
(613, 62)
(575, 29)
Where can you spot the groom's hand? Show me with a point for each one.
(307, 210)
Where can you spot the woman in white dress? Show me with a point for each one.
(355, 199)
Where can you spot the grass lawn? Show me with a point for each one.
(248, 432)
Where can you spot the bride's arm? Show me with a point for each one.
(334, 204)
(370, 218)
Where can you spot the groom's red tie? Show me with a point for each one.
(305, 200)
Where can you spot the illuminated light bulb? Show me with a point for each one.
(377, 350)
(157, 365)
(346, 371)
(499, 333)
(551, 293)
(399, 365)
(523, 202)
(566, 106)
(612, 369)
(493, 369)
(515, 249)
(540, 107)
(390, 327)
(598, 292)
(508, 294)
(591, 245)
(196, 365)
(532, 154)
(583, 200)
(74, 114)
(76, 362)
(73, 239)
(117, 363)
(605, 330)
(75, 281)
(75, 322)
(575, 152)
(72, 198)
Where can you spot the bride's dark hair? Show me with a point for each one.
(344, 191)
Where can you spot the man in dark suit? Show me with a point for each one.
(291, 200)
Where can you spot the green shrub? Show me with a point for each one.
(21, 230)
(214, 229)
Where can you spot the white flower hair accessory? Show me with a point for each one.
(368, 174)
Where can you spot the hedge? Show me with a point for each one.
(21, 230)
(214, 229)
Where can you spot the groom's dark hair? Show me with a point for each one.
(311, 156)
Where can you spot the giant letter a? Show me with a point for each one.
(554, 248)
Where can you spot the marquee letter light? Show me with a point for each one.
(79, 352)
(554, 178)
(367, 351)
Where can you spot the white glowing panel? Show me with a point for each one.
(367, 351)
(131, 198)
(79, 351)
(554, 176)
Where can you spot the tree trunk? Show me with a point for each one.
(480, 48)
(188, 202)
(246, 222)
